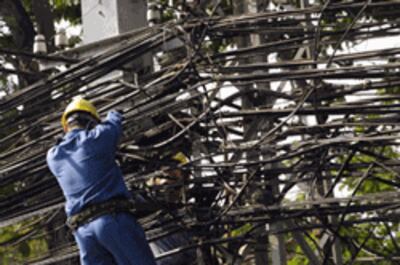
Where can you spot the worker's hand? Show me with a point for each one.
(117, 112)
(115, 116)
(120, 111)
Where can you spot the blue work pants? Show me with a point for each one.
(113, 239)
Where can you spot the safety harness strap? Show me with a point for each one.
(94, 211)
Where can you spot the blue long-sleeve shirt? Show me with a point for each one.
(85, 167)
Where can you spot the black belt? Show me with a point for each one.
(91, 212)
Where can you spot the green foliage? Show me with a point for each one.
(7, 116)
(242, 230)
(74, 40)
(297, 256)
(375, 181)
(298, 260)
(69, 10)
(391, 90)
(14, 252)
(375, 237)
(214, 47)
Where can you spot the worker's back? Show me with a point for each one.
(84, 164)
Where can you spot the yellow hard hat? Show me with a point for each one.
(78, 104)
(181, 158)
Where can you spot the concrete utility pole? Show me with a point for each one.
(268, 249)
(328, 240)
(107, 18)
(102, 19)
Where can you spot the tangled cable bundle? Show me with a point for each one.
(273, 129)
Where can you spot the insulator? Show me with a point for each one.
(39, 45)
(61, 40)
(180, 14)
(153, 14)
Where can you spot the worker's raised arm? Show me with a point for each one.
(108, 132)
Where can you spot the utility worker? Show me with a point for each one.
(171, 196)
(97, 199)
